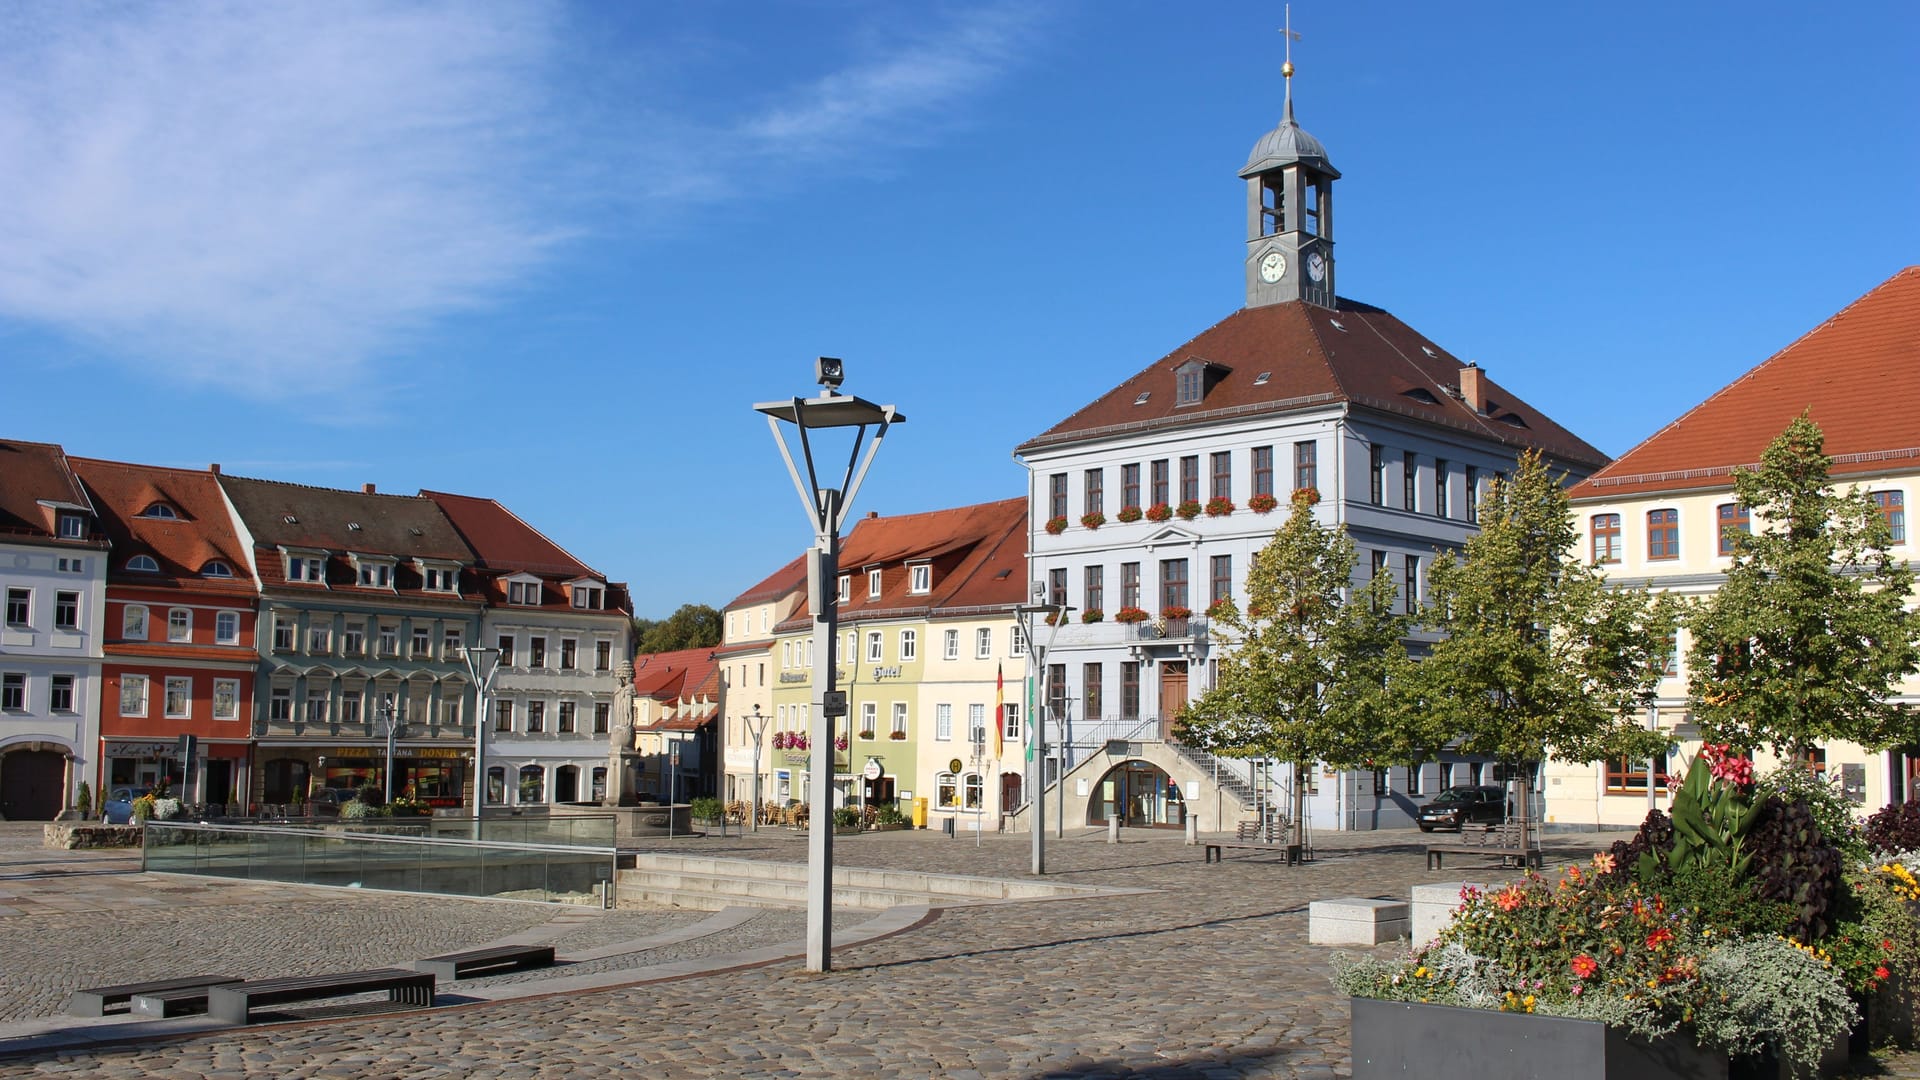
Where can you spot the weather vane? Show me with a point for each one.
(1289, 35)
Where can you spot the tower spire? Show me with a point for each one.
(1288, 35)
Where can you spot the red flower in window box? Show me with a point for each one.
(1310, 496)
(1220, 608)
(1159, 512)
(1189, 510)
(1262, 504)
(1092, 616)
(1176, 611)
(1130, 615)
(1056, 526)
(1093, 520)
(1219, 506)
(1129, 514)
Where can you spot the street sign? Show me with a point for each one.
(834, 703)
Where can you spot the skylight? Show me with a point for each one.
(1261, 379)
(1337, 325)
(1428, 349)
(1142, 399)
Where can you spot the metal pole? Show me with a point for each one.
(1040, 768)
(823, 570)
(758, 725)
(386, 713)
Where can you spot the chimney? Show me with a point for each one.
(367, 489)
(872, 514)
(214, 468)
(1471, 391)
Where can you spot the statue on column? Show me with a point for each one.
(622, 736)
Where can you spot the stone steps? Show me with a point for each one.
(709, 883)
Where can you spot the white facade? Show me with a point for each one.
(51, 635)
(551, 713)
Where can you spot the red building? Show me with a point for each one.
(179, 631)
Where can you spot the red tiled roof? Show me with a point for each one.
(668, 676)
(1314, 356)
(968, 547)
(182, 546)
(505, 544)
(30, 473)
(1857, 374)
(775, 585)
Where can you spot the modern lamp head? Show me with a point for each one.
(829, 371)
(1039, 591)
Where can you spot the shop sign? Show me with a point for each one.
(141, 749)
(886, 672)
(873, 771)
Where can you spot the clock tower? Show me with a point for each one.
(1289, 214)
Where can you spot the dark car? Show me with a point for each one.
(118, 806)
(1456, 807)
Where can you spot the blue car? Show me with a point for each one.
(118, 808)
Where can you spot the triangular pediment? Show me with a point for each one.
(1173, 534)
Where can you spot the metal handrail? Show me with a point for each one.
(349, 834)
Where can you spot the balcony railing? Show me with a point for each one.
(1160, 629)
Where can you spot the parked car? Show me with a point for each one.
(1455, 807)
(118, 807)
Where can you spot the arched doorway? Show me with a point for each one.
(1145, 798)
(1009, 792)
(31, 785)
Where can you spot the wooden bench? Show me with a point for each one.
(99, 1000)
(1502, 841)
(176, 1001)
(1213, 848)
(476, 963)
(234, 1003)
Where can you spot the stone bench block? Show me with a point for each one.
(1355, 920)
(1433, 907)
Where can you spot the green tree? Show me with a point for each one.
(1306, 680)
(1539, 654)
(1808, 637)
(692, 626)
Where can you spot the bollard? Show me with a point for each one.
(1193, 830)
(1113, 829)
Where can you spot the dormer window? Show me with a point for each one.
(524, 593)
(376, 576)
(216, 568)
(919, 578)
(588, 595)
(873, 584)
(310, 568)
(143, 564)
(71, 526)
(439, 579)
(1188, 385)
(160, 510)
(846, 587)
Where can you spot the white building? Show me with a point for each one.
(53, 579)
(1150, 501)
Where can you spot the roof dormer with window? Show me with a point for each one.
(439, 576)
(523, 590)
(372, 571)
(587, 594)
(305, 566)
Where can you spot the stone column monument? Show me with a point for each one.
(621, 740)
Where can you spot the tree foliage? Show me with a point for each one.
(1306, 680)
(693, 626)
(1808, 637)
(1539, 654)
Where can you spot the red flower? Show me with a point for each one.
(1584, 966)
(1881, 972)
(1659, 937)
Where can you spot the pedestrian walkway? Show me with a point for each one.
(1203, 972)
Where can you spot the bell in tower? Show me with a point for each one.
(1289, 213)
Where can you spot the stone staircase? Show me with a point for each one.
(1223, 774)
(710, 883)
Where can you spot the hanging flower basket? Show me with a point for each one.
(1219, 506)
(1189, 510)
(1262, 504)
(1056, 526)
(1130, 615)
(1159, 512)
(1093, 520)
(1129, 514)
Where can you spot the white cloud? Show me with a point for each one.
(260, 195)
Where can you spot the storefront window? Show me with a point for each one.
(946, 793)
(1141, 794)
(533, 784)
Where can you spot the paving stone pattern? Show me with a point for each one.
(1207, 974)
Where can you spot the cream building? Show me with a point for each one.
(1664, 514)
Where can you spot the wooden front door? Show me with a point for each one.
(30, 782)
(1173, 692)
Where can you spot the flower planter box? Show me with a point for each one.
(1441, 1042)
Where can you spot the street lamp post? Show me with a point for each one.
(386, 717)
(1038, 756)
(757, 727)
(826, 512)
(483, 664)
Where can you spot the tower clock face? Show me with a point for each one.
(1317, 266)
(1273, 267)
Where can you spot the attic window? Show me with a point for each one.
(353, 526)
(1428, 349)
(216, 568)
(414, 531)
(160, 510)
(291, 520)
(1512, 418)
(71, 526)
(1003, 575)
(1142, 399)
(1422, 395)
(526, 593)
(920, 578)
(1261, 379)
(143, 564)
(1337, 325)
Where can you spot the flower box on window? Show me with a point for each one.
(1262, 504)
(1130, 615)
(1219, 506)
(1129, 514)
(1092, 616)
(1221, 608)
(1159, 512)
(898, 736)
(1176, 611)
(1189, 510)
(1056, 526)
(1093, 520)
(1310, 496)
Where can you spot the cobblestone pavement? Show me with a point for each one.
(1207, 975)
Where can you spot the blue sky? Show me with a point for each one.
(552, 253)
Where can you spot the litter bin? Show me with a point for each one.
(947, 824)
(920, 813)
